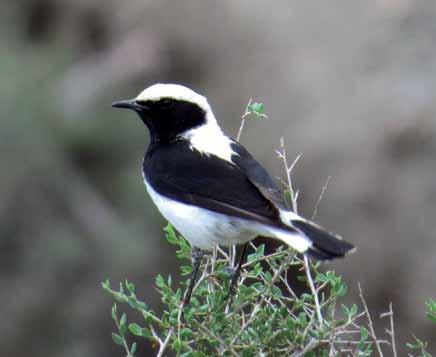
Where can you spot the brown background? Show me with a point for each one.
(349, 84)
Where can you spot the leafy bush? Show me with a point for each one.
(265, 318)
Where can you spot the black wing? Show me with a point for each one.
(243, 189)
(258, 176)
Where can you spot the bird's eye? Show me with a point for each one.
(166, 104)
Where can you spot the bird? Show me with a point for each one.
(208, 185)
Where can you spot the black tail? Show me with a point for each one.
(326, 245)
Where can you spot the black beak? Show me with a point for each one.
(129, 104)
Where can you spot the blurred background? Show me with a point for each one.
(350, 85)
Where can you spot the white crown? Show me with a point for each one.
(174, 91)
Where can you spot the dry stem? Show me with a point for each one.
(391, 332)
(370, 325)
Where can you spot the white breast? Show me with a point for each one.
(202, 228)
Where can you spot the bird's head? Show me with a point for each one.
(170, 111)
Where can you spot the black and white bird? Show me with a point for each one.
(209, 187)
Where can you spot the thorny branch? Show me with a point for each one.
(391, 331)
(370, 325)
(294, 197)
(243, 118)
(163, 344)
(125, 346)
(323, 191)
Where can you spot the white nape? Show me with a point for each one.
(208, 139)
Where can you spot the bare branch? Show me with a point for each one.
(323, 191)
(126, 347)
(370, 324)
(243, 118)
(312, 289)
(391, 332)
(164, 344)
(288, 170)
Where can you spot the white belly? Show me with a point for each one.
(202, 228)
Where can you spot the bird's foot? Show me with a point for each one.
(234, 273)
(196, 255)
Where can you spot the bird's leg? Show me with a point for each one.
(237, 272)
(196, 255)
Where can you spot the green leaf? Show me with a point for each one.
(171, 234)
(114, 312)
(160, 282)
(267, 276)
(106, 285)
(415, 346)
(177, 345)
(258, 253)
(123, 326)
(186, 269)
(186, 333)
(130, 287)
(256, 108)
(431, 310)
(117, 339)
(135, 329)
(123, 319)
(133, 349)
(321, 278)
(431, 317)
(353, 309)
(364, 334)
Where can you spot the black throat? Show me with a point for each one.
(167, 118)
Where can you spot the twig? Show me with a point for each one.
(256, 308)
(232, 254)
(282, 155)
(243, 118)
(164, 344)
(265, 257)
(214, 257)
(210, 333)
(355, 342)
(391, 332)
(309, 347)
(147, 315)
(370, 325)
(312, 288)
(211, 286)
(324, 189)
(179, 320)
(126, 347)
(223, 253)
(203, 275)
